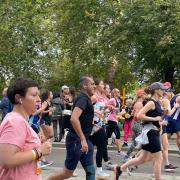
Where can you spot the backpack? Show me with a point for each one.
(57, 103)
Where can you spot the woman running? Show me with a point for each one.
(150, 114)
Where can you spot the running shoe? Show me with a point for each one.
(169, 168)
(153, 177)
(102, 175)
(125, 144)
(109, 166)
(44, 164)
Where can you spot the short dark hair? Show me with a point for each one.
(83, 80)
(20, 86)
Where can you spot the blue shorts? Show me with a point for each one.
(173, 126)
(74, 153)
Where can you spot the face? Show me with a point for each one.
(66, 91)
(90, 87)
(31, 100)
(100, 86)
(116, 93)
(50, 95)
(129, 102)
(160, 92)
(107, 89)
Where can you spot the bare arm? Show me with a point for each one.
(11, 156)
(166, 105)
(40, 110)
(142, 113)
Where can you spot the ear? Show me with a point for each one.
(18, 99)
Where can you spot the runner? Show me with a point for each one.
(150, 114)
(98, 135)
(136, 124)
(20, 146)
(78, 145)
(114, 105)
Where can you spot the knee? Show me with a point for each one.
(158, 159)
(90, 170)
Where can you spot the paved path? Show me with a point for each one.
(144, 172)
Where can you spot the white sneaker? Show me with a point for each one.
(153, 177)
(102, 175)
(44, 164)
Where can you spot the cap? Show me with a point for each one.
(169, 87)
(64, 87)
(157, 85)
(167, 84)
(140, 92)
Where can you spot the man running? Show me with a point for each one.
(78, 145)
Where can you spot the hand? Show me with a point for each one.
(158, 118)
(51, 109)
(42, 137)
(163, 123)
(46, 147)
(84, 146)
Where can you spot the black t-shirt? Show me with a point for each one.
(86, 118)
(154, 113)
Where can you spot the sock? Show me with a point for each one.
(99, 169)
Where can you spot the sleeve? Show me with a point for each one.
(3, 103)
(81, 103)
(112, 102)
(14, 132)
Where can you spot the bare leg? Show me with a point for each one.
(118, 144)
(61, 174)
(157, 159)
(178, 139)
(165, 145)
(140, 159)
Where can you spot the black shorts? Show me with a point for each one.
(154, 142)
(113, 127)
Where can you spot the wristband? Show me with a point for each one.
(34, 154)
(39, 154)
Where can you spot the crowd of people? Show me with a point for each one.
(32, 119)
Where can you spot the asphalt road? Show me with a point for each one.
(58, 156)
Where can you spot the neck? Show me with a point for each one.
(140, 99)
(98, 92)
(155, 97)
(20, 110)
(85, 93)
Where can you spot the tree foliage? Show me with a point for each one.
(120, 41)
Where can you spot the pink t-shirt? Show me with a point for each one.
(15, 130)
(112, 114)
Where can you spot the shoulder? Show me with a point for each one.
(138, 104)
(94, 99)
(15, 119)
